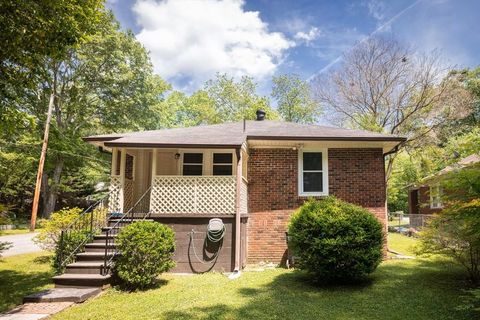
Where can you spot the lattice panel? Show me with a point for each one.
(128, 195)
(188, 194)
(114, 204)
(244, 197)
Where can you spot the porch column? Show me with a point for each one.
(238, 210)
(152, 183)
(123, 158)
(113, 170)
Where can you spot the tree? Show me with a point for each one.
(385, 87)
(106, 84)
(236, 100)
(32, 31)
(294, 99)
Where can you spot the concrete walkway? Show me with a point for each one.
(22, 243)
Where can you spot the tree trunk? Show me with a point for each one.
(51, 193)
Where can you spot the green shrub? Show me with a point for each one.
(4, 246)
(146, 249)
(454, 233)
(64, 250)
(336, 241)
(49, 235)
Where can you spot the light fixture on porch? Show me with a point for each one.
(177, 156)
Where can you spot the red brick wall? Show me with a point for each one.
(355, 175)
(424, 201)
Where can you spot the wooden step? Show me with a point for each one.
(85, 267)
(102, 237)
(98, 247)
(81, 280)
(93, 256)
(124, 222)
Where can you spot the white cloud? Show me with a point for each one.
(196, 38)
(309, 36)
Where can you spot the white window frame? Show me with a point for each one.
(232, 165)
(192, 151)
(436, 196)
(207, 164)
(324, 171)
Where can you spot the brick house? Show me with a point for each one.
(425, 198)
(250, 174)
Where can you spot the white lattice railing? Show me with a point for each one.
(193, 195)
(114, 204)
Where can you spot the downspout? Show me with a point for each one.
(394, 150)
(236, 271)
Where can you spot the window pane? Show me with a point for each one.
(222, 170)
(312, 182)
(192, 157)
(222, 158)
(312, 161)
(192, 170)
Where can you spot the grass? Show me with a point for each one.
(21, 275)
(14, 231)
(398, 289)
(402, 244)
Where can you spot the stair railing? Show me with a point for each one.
(80, 231)
(111, 250)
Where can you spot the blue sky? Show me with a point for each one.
(190, 40)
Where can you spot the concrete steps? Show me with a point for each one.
(87, 270)
(77, 280)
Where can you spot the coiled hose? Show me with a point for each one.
(215, 232)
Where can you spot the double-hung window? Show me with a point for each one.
(436, 196)
(313, 172)
(192, 164)
(222, 164)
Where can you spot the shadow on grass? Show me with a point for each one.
(16, 283)
(409, 290)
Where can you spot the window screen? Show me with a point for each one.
(192, 164)
(222, 164)
(312, 172)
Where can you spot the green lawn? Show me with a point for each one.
(402, 244)
(14, 231)
(21, 275)
(399, 289)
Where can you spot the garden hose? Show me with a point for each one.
(215, 233)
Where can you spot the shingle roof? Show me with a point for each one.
(233, 135)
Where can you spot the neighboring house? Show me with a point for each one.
(426, 197)
(251, 174)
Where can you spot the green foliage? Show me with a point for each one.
(336, 241)
(294, 99)
(236, 100)
(454, 233)
(146, 249)
(48, 237)
(4, 246)
(69, 244)
(33, 32)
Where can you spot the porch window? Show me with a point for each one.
(192, 164)
(313, 173)
(222, 164)
(436, 197)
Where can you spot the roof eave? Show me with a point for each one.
(171, 145)
(297, 138)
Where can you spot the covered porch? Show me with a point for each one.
(179, 182)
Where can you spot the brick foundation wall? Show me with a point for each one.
(355, 175)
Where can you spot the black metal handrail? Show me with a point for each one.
(80, 231)
(111, 250)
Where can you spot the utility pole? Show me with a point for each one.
(38, 184)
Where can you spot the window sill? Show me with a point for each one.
(313, 194)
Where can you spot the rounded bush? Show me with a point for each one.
(146, 250)
(335, 241)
